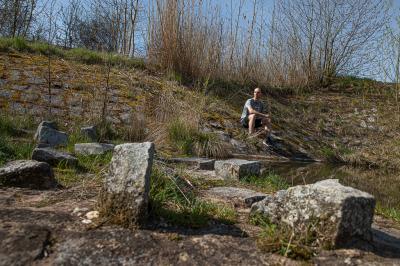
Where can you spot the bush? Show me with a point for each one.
(191, 141)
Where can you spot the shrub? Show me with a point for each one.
(190, 141)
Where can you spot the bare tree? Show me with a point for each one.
(324, 38)
(16, 17)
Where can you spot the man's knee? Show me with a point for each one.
(252, 117)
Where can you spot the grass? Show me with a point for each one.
(82, 55)
(173, 199)
(12, 144)
(190, 141)
(301, 244)
(391, 213)
(267, 183)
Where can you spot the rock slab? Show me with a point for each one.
(27, 174)
(343, 213)
(200, 163)
(89, 132)
(53, 157)
(48, 135)
(237, 168)
(242, 196)
(93, 148)
(125, 194)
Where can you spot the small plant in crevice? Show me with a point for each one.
(174, 200)
(301, 243)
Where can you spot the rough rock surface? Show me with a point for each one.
(53, 157)
(28, 174)
(126, 188)
(241, 196)
(93, 148)
(344, 213)
(237, 168)
(89, 132)
(200, 163)
(47, 134)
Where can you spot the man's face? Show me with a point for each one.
(257, 93)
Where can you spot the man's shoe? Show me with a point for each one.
(265, 143)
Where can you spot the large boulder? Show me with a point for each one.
(124, 198)
(93, 148)
(89, 132)
(342, 213)
(236, 168)
(27, 174)
(53, 157)
(47, 135)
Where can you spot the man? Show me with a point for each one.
(254, 114)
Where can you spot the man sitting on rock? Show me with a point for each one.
(254, 114)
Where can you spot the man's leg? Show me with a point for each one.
(266, 122)
(252, 120)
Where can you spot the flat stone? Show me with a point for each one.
(238, 145)
(125, 194)
(342, 213)
(242, 196)
(200, 163)
(89, 132)
(237, 168)
(53, 157)
(47, 133)
(27, 174)
(93, 148)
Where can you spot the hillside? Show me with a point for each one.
(352, 122)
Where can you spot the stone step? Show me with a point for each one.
(53, 157)
(199, 163)
(93, 148)
(241, 196)
(237, 168)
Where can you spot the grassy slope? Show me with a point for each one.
(353, 120)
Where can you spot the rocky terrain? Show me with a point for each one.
(68, 202)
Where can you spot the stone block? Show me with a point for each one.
(27, 174)
(89, 132)
(53, 157)
(237, 168)
(241, 196)
(93, 148)
(47, 134)
(342, 213)
(124, 198)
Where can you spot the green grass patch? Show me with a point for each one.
(175, 201)
(268, 182)
(82, 55)
(94, 164)
(391, 213)
(14, 150)
(281, 239)
(12, 144)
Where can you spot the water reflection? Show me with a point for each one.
(383, 185)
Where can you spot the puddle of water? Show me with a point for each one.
(384, 186)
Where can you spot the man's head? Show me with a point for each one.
(257, 93)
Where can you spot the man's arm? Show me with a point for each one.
(252, 111)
